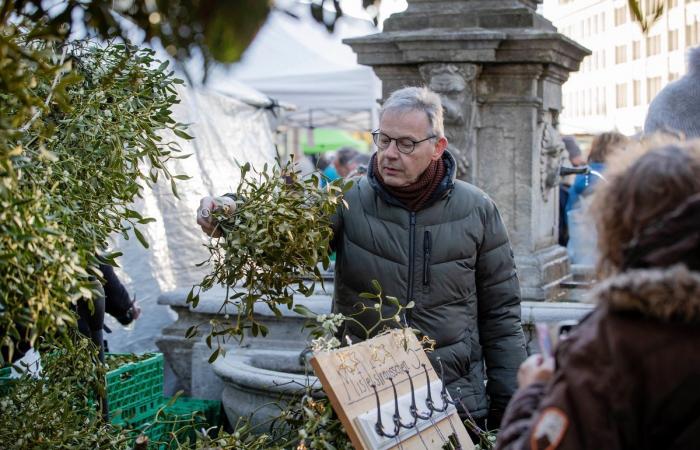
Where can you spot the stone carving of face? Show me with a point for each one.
(451, 87)
(399, 169)
(550, 158)
(454, 84)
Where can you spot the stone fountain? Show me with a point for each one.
(261, 371)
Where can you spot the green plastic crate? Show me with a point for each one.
(210, 410)
(176, 424)
(187, 415)
(135, 389)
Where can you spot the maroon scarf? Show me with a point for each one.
(415, 195)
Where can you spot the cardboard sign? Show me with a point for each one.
(388, 396)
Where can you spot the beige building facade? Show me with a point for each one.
(626, 68)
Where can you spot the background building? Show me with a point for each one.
(626, 69)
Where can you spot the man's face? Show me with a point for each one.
(399, 169)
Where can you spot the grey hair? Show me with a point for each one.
(362, 159)
(417, 99)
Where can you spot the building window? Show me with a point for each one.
(692, 34)
(653, 45)
(651, 5)
(672, 40)
(636, 50)
(621, 95)
(636, 92)
(595, 23)
(653, 87)
(605, 101)
(672, 4)
(620, 15)
(620, 54)
(673, 76)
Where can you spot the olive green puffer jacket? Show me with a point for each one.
(454, 260)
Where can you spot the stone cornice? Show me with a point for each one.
(473, 45)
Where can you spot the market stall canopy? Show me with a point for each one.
(328, 139)
(295, 60)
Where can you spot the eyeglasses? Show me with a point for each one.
(403, 144)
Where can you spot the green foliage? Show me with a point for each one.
(216, 29)
(271, 246)
(308, 422)
(76, 148)
(57, 411)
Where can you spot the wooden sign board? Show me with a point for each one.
(351, 375)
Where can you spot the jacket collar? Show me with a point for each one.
(444, 188)
(668, 295)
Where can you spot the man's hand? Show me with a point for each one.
(135, 310)
(535, 368)
(205, 218)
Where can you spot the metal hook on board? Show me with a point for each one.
(379, 427)
(414, 409)
(397, 414)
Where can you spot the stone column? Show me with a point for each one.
(498, 67)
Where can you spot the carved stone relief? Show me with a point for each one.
(455, 83)
(551, 150)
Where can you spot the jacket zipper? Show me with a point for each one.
(411, 256)
(427, 248)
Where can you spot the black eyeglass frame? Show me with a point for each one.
(376, 133)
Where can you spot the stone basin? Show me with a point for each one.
(258, 382)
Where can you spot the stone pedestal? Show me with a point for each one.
(498, 67)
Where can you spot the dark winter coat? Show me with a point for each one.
(627, 378)
(453, 259)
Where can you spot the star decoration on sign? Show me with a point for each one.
(428, 344)
(348, 362)
(380, 353)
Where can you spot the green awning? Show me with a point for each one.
(328, 139)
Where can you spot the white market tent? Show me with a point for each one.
(296, 61)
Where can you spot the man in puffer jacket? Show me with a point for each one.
(437, 242)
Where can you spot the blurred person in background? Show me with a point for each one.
(338, 167)
(358, 165)
(581, 229)
(116, 302)
(676, 108)
(575, 158)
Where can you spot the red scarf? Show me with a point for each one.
(415, 195)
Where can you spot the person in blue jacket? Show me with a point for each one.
(582, 234)
(602, 147)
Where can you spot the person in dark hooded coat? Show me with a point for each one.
(627, 377)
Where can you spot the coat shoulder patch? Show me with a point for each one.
(549, 430)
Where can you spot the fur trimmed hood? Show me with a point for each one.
(668, 294)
